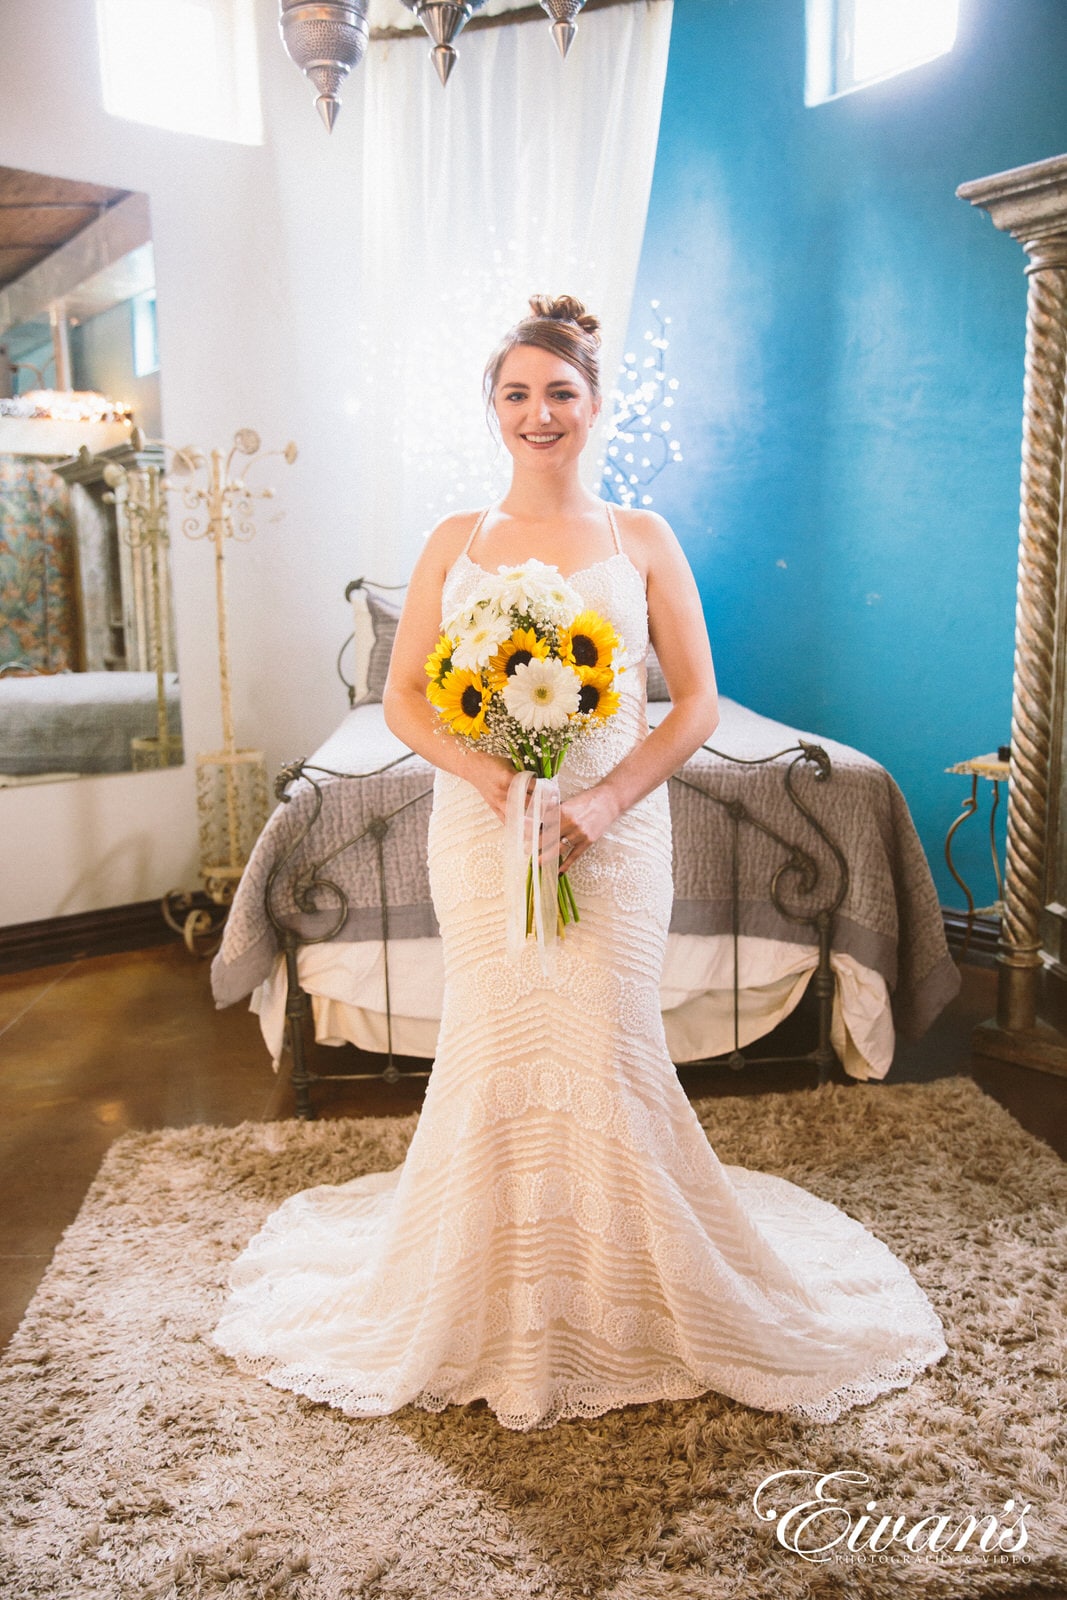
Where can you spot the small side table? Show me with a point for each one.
(994, 768)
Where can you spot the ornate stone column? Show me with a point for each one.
(1030, 203)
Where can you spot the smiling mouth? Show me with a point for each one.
(542, 438)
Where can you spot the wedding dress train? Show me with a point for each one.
(561, 1238)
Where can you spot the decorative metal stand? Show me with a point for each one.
(139, 496)
(993, 768)
(231, 783)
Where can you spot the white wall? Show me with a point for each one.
(256, 252)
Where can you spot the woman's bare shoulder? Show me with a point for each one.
(446, 538)
(456, 522)
(646, 536)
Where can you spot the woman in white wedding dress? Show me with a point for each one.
(561, 1238)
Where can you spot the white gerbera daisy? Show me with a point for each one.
(542, 694)
(481, 640)
(483, 608)
(536, 590)
(556, 605)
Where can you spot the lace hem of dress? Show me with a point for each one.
(577, 1398)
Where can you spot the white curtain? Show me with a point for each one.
(526, 174)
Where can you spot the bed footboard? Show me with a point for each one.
(310, 889)
(798, 864)
(314, 891)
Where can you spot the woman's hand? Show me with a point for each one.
(492, 781)
(583, 819)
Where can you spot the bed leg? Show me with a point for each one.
(823, 982)
(296, 1009)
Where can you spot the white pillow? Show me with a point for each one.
(374, 620)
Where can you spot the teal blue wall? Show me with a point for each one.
(848, 336)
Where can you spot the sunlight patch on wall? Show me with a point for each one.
(854, 43)
(186, 65)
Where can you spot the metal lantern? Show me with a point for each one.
(563, 14)
(326, 39)
(444, 20)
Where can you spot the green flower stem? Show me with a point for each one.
(567, 906)
(540, 760)
(546, 760)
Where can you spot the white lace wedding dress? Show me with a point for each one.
(561, 1238)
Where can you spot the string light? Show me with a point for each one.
(642, 393)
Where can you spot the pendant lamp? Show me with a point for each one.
(327, 38)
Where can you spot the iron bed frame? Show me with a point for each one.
(313, 891)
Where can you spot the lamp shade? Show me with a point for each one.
(326, 39)
(563, 14)
(443, 21)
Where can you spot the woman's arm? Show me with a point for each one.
(680, 638)
(408, 713)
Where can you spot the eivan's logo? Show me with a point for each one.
(820, 1527)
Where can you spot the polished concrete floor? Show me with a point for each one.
(101, 1045)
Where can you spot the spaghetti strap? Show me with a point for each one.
(614, 528)
(474, 531)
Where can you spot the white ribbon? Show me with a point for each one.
(532, 830)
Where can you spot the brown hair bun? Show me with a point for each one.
(565, 308)
(557, 323)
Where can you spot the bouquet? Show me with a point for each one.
(523, 669)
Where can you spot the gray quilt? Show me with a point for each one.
(79, 721)
(889, 919)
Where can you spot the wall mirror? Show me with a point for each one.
(88, 674)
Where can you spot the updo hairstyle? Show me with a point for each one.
(564, 328)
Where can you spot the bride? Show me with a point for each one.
(561, 1238)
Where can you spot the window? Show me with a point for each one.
(852, 43)
(145, 339)
(188, 65)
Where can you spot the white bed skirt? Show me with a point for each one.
(346, 982)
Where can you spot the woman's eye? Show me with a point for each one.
(558, 394)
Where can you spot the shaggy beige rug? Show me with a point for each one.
(137, 1462)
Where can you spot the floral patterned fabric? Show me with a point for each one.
(38, 619)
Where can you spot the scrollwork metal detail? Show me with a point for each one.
(799, 864)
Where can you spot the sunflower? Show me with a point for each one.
(588, 642)
(462, 698)
(435, 689)
(596, 694)
(439, 661)
(522, 646)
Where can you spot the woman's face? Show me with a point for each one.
(544, 406)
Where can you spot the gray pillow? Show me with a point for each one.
(384, 615)
(657, 683)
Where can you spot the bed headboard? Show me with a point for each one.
(374, 620)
